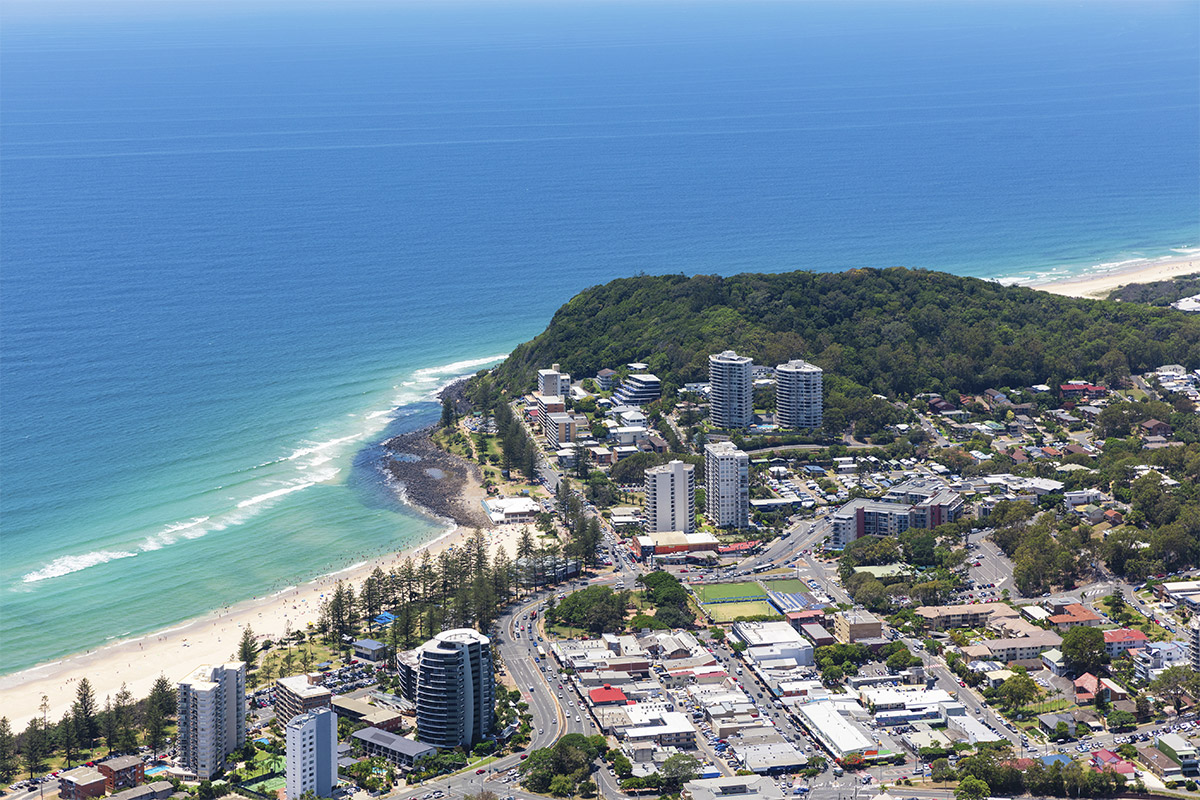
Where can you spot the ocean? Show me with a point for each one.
(240, 244)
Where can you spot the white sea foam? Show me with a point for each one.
(280, 492)
(423, 384)
(317, 448)
(65, 565)
(172, 533)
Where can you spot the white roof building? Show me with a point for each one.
(839, 735)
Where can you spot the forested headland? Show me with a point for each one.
(895, 332)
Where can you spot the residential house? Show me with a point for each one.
(1154, 427)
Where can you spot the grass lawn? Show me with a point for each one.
(1048, 706)
(790, 585)
(716, 592)
(728, 612)
(274, 664)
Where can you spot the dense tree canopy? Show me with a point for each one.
(894, 331)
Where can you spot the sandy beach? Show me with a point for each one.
(1100, 284)
(178, 650)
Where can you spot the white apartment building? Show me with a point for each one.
(727, 485)
(799, 395)
(553, 382)
(1194, 643)
(212, 717)
(731, 390)
(311, 740)
(671, 498)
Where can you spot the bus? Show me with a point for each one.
(541, 651)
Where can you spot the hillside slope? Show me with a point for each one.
(895, 331)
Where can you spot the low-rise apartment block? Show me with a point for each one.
(972, 615)
(855, 625)
(299, 694)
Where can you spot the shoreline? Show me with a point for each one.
(178, 648)
(1098, 285)
(435, 483)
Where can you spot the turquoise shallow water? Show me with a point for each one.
(239, 247)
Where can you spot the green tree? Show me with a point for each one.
(449, 417)
(561, 785)
(1174, 683)
(85, 709)
(34, 747)
(1018, 691)
(1121, 721)
(678, 770)
(248, 648)
(971, 789)
(67, 734)
(1083, 649)
(941, 771)
(8, 751)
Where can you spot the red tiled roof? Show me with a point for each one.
(1124, 635)
(1075, 612)
(607, 694)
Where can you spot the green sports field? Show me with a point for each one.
(722, 592)
(728, 612)
(789, 585)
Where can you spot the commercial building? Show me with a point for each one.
(727, 485)
(81, 783)
(638, 390)
(836, 733)
(311, 740)
(666, 729)
(553, 382)
(298, 694)
(731, 390)
(798, 395)
(854, 625)
(671, 498)
(455, 689)
(774, 642)
(1179, 750)
(663, 543)
(739, 787)
(122, 772)
(919, 503)
(395, 749)
(212, 717)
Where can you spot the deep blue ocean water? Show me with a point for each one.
(240, 244)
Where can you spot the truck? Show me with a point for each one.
(837, 770)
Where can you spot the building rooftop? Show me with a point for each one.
(393, 742)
